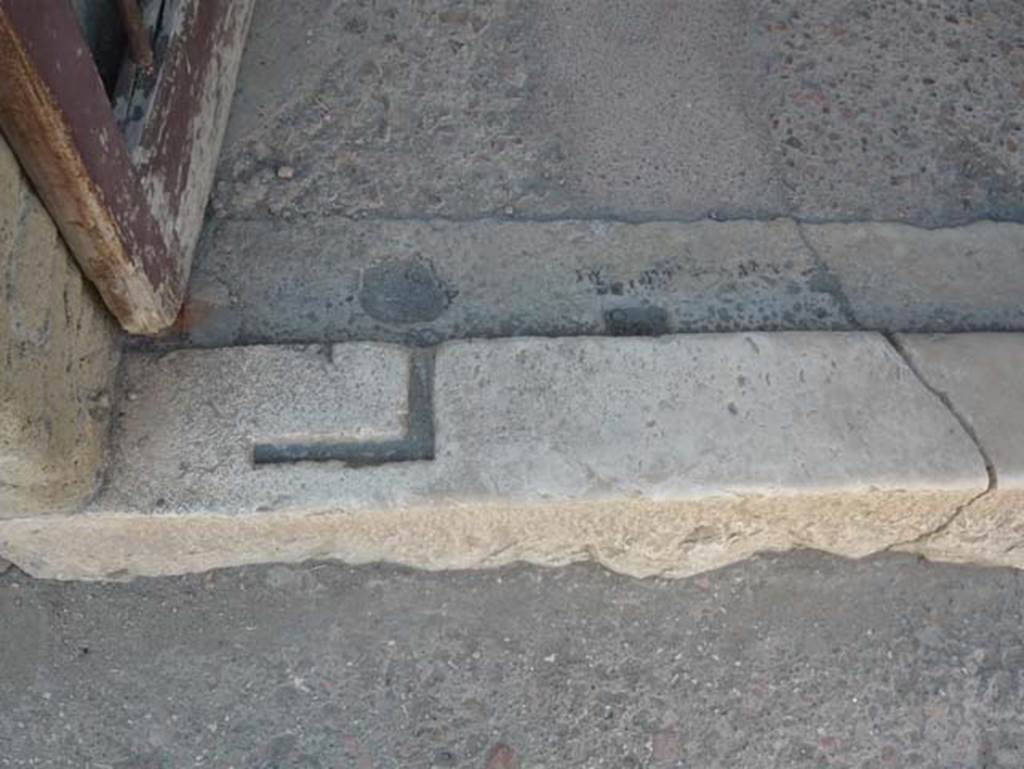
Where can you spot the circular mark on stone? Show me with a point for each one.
(403, 291)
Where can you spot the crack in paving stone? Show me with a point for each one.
(942, 526)
(968, 428)
(825, 280)
(416, 446)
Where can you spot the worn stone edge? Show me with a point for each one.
(659, 541)
(639, 537)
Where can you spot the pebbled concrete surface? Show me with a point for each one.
(417, 172)
(908, 111)
(819, 109)
(803, 661)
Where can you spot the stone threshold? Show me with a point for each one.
(653, 456)
(425, 282)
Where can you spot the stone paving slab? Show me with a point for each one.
(427, 282)
(187, 430)
(424, 282)
(982, 376)
(652, 456)
(902, 278)
(818, 109)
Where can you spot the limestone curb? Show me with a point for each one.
(664, 456)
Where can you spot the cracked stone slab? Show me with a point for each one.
(902, 278)
(980, 374)
(652, 456)
(426, 282)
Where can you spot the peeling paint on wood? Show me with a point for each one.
(55, 114)
(131, 212)
(184, 124)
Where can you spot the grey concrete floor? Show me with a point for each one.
(792, 661)
(367, 133)
(677, 109)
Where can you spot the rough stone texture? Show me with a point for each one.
(980, 374)
(820, 109)
(668, 456)
(374, 155)
(188, 436)
(59, 355)
(800, 661)
(425, 282)
(647, 109)
(419, 282)
(905, 278)
(907, 111)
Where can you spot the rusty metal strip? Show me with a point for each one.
(131, 213)
(56, 116)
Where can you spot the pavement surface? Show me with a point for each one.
(794, 661)
(413, 154)
(669, 109)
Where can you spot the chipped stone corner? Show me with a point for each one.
(60, 349)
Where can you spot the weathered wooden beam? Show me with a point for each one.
(57, 118)
(130, 209)
(184, 111)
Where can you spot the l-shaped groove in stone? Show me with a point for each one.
(417, 444)
(653, 456)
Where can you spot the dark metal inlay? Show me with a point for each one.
(416, 446)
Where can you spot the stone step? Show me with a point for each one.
(652, 456)
(426, 282)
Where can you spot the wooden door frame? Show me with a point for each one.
(128, 195)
